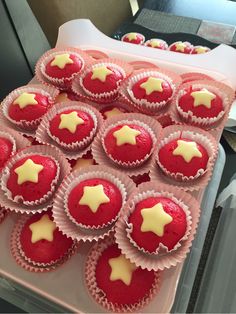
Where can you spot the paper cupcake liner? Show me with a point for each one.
(27, 263)
(225, 92)
(96, 54)
(140, 35)
(63, 83)
(139, 65)
(4, 134)
(99, 296)
(77, 149)
(160, 261)
(186, 183)
(45, 150)
(165, 45)
(66, 96)
(23, 125)
(107, 97)
(116, 104)
(101, 157)
(3, 214)
(65, 223)
(185, 42)
(19, 140)
(194, 76)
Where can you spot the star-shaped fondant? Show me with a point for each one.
(93, 197)
(42, 229)
(70, 121)
(155, 43)
(153, 84)
(201, 49)
(180, 46)
(187, 150)
(121, 269)
(155, 219)
(132, 36)
(111, 113)
(100, 73)
(126, 135)
(28, 172)
(61, 60)
(203, 97)
(82, 162)
(25, 99)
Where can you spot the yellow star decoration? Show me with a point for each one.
(153, 84)
(61, 60)
(70, 121)
(121, 269)
(126, 135)
(25, 99)
(28, 172)
(101, 73)
(201, 49)
(155, 43)
(112, 113)
(132, 36)
(155, 219)
(82, 162)
(62, 97)
(93, 197)
(203, 97)
(187, 150)
(42, 229)
(180, 46)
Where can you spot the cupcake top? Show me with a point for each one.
(200, 50)
(156, 43)
(133, 38)
(40, 242)
(7, 148)
(157, 222)
(182, 47)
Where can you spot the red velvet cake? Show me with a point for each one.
(182, 47)
(133, 38)
(7, 147)
(156, 43)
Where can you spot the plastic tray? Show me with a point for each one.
(53, 285)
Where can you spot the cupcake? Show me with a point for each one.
(182, 47)
(156, 43)
(37, 245)
(116, 283)
(58, 66)
(199, 50)
(133, 38)
(7, 148)
(25, 106)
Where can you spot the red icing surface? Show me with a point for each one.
(186, 104)
(117, 291)
(109, 108)
(128, 152)
(30, 112)
(31, 191)
(176, 164)
(173, 231)
(105, 213)
(155, 97)
(138, 41)
(82, 130)
(187, 49)
(5, 150)
(44, 251)
(97, 87)
(67, 72)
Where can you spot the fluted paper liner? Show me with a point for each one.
(3, 213)
(164, 260)
(99, 296)
(62, 83)
(158, 172)
(23, 126)
(107, 97)
(64, 222)
(76, 149)
(27, 263)
(101, 157)
(116, 104)
(19, 140)
(45, 150)
(225, 92)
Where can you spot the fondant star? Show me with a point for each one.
(42, 229)
(180, 46)
(101, 73)
(132, 36)
(155, 219)
(93, 197)
(201, 49)
(155, 43)
(28, 172)
(82, 162)
(61, 60)
(126, 135)
(203, 97)
(121, 269)
(187, 150)
(70, 121)
(153, 84)
(112, 113)
(25, 99)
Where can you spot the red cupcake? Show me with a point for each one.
(115, 282)
(199, 50)
(133, 38)
(7, 148)
(38, 245)
(182, 47)
(156, 43)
